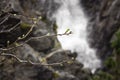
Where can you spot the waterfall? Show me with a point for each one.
(71, 16)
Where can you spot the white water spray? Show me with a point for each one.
(71, 16)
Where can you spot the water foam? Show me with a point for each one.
(71, 16)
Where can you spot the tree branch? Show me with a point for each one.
(30, 62)
(7, 49)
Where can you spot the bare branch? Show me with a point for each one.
(7, 49)
(5, 19)
(14, 26)
(11, 28)
(21, 38)
(11, 55)
(33, 63)
(52, 35)
(67, 32)
(54, 52)
(45, 64)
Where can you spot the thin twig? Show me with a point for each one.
(21, 38)
(7, 49)
(54, 52)
(52, 35)
(33, 63)
(30, 30)
(5, 19)
(14, 26)
(6, 31)
(11, 55)
(45, 64)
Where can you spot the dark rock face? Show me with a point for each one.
(68, 71)
(25, 72)
(91, 7)
(44, 8)
(20, 11)
(9, 27)
(42, 44)
(43, 74)
(36, 8)
(3, 4)
(105, 17)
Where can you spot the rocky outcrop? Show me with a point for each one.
(104, 19)
(15, 22)
(16, 19)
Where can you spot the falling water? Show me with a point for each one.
(71, 16)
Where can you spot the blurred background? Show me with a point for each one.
(59, 39)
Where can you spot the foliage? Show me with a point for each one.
(103, 76)
(116, 42)
(112, 63)
(25, 25)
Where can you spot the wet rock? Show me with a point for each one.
(10, 69)
(9, 29)
(40, 8)
(104, 22)
(26, 52)
(91, 7)
(105, 26)
(33, 73)
(35, 7)
(73, 72)
(43, 74)
(45, 43)
(25, 72)
(69, 70)
(4, 5)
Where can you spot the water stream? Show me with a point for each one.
(71, 16)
